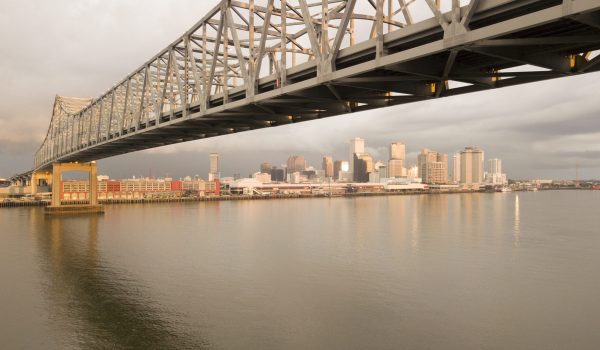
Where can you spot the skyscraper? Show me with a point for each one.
(296, 164)
(396, 162)
(357, 146)
(363, 166)
(471, 166)
(328, 166)
(213, 172)
(433, 166)
(277, 174)
(396, 168)
(456, 167)
(337, 167)
(397, 151)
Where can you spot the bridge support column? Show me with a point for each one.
(56, 206)
(36, 178)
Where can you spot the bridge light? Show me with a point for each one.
(432, 87)
(572, 61)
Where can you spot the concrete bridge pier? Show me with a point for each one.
(57, 207)
(40, 179)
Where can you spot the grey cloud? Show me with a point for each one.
(82, 48)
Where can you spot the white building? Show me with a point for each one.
(494, 175)
(456, 167)
(264, 178)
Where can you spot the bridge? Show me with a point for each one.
(263, 63)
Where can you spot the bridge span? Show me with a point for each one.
(252, 64)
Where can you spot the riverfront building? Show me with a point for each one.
(433, 167)
(214, 167)
(296, 163)
(363, 166)
(471, 167)
(328, 166)
(494, 175)
(357, 146)
(397, 158)
(76, 190)
(456, 167)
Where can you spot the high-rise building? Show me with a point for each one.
(363, 166)
(337, 167)
(397, 157)
(494, 166)
(340, 169)
(213, 172)
(456, 167)
(328, 166)
(397, 151)
(433, 166)
(494, 175)
(396, 168)
(265, 168)
(357, 146)
(296, 164)
(277, 174)
(381, 169)
(471, 166)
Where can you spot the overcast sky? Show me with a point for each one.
(83, 47)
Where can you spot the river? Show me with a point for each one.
(459, 271)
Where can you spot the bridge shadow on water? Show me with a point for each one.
(94, 304)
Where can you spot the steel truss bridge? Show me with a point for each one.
(252, 64)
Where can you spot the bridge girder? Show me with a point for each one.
(263, 63)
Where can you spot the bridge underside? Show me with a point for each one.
(507, 43)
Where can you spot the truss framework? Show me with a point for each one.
(260, 63)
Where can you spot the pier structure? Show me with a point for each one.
(92, 206)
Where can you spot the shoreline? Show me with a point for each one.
(14, 204)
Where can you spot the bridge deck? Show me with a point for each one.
(200, 87)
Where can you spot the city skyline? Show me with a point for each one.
(547, 135)
(444, 169)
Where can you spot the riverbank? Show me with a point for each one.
(16, 203)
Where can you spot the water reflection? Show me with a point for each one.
(99, 306)
(517, 224)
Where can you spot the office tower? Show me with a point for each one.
(337, 167)
(363, 166)
(357, 146)
(471, 166)
(396, 162)
(456, 167)
(328, 166)
(396, 168)
(296, 164)
(397, 151)
(277, 174)
(433, 166)
(213, 172)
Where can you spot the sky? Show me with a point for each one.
(82, 48)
